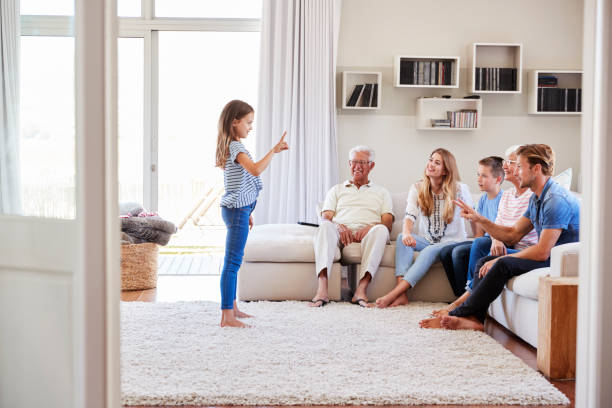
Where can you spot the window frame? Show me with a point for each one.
(147, 26)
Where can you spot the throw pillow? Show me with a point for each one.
(564, 178)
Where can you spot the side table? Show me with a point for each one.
(557, 315)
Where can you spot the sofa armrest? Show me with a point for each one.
(564, 260)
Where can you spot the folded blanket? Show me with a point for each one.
(148, 229)
(132, 209)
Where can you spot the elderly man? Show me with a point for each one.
(552, 211)
(354, 211)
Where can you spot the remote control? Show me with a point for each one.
(308, 223)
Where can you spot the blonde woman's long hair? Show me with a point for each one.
(425, 199)
(235, 109)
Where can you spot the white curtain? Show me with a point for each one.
(297, 93)
(10, 195)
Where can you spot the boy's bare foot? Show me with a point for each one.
(431, 323)
(384, 301)
(461, 323)
(441, 312)
(233, 323)
(400, 300)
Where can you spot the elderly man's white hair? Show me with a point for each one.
(370, 151)
(512, 149)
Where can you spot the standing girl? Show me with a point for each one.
(242, 186)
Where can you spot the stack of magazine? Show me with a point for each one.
(465, 118)
(364, 95)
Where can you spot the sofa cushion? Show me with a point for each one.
(527, 283)
(282, 243)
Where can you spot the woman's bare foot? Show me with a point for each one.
(318, 302)
(431, 323)
(385, 301)
(400, 300)
(239, 314)
(461, 323)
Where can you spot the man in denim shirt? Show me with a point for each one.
(554, 213)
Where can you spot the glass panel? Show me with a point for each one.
(209, 8)
(130, 115)
(47, 7)
(128, 8)
(199, 73)
(47, 127)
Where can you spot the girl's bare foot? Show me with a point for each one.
(228, 319)
(240, 314)
(431, 323)
(400, 301)
(461, 323)
(233, 323)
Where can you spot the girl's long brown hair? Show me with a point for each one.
(235, 109)
(425, 199)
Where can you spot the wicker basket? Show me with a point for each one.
(138, 266)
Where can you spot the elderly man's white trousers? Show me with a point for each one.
(372, 247)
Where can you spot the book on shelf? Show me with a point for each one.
(547, 80)
(551, 99)
(355, 95)
(366, 95)
(374, 102)
(495, 79)
(425, 72)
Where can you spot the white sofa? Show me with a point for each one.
(279, 265)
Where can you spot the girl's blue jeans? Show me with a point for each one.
(237, 222)
(428, 254)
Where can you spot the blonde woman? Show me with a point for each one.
(432, 222)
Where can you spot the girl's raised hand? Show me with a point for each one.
(281, 145)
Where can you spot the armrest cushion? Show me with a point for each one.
(564, 260)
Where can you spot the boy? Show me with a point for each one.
(455, 258)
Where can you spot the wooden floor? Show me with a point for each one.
(191, 288)
(190, 264)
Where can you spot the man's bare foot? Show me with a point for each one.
(233, 323)
(400, 300)
(461, 323)
(384, 301)
(441, 312)
(431, 323)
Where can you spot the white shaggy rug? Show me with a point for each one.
(176, 354)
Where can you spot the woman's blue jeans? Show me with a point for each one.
(428, 254)
(237, 222)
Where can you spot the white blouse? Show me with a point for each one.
(433, 228)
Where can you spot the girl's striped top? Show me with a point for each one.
(241, 187)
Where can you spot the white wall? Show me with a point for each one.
(373, 32)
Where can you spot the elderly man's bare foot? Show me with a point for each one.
(431, 323)
(384, 301)
(233, 323)
(400, 300)
(461, 323)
